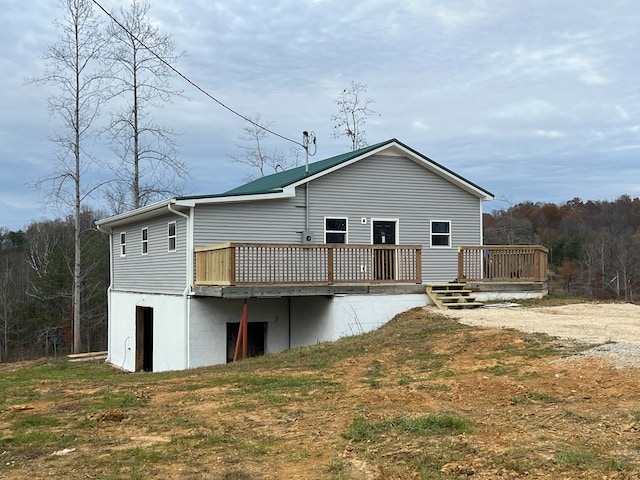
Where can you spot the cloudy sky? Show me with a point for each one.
(534, 100)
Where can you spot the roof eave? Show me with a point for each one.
(147, 211)
(286, 192)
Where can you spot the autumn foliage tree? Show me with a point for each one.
(594, 246)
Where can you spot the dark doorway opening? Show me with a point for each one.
(144, 339)
(256, 337)
(384, 233)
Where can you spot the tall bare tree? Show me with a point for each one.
(148, 166)
(257, 155)
(353, 110)
(74, 68)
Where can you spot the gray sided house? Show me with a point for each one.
(316, 253)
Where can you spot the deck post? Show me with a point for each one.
(330, 272)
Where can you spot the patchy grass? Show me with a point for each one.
(423, 397)
(362, 430)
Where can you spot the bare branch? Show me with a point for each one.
(353, 110)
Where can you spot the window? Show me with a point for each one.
(172, 236)
(123, 244)
(440, 233)
(335, 230)
(145, 241)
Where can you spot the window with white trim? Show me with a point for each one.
(145, 241)
(123, 244)
(173, 236)
(440, 233)
(335, 230)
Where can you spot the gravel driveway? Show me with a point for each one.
(614, 326)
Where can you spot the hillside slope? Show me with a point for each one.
(424, 397)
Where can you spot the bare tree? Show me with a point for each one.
(73, 66)
(257, 155)
(148, 166)
(353, 110)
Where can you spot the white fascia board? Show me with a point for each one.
(287, 192)
(137, 214)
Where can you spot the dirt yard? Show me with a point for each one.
(538, 410)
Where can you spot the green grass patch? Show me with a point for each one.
(582, 459)
(36, 421)
(361, 430)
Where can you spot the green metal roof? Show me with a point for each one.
(278, 181)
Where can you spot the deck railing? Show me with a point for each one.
(323, 264)
(502, 263)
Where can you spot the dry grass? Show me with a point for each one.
(424, 397)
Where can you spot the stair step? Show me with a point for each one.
(457, 298)
(452, 295)
(464, 305)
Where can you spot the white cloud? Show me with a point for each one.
(529, 109)
(550, 134)
(420, 125)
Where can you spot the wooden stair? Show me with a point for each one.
(452, 295)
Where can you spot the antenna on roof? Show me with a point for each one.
(307, 138)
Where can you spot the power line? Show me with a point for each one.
(191, 82)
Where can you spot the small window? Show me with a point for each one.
(335, 230)
(123, 244)
(145, 241)
(441, 233)
(172, 237)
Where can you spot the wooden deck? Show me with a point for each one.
(270, 265)
(244, 270)
(502, 263)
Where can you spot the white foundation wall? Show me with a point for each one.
(208, 329)
(291, 322)
(320, 319)
(356, 314)
(169, 330)
(311, 320)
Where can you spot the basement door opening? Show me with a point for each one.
(256, 335)
(144, 339)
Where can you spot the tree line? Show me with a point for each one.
(36, 288)
(594, 246)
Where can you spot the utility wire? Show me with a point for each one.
(191, 82)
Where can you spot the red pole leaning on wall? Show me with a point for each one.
(242, 334)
